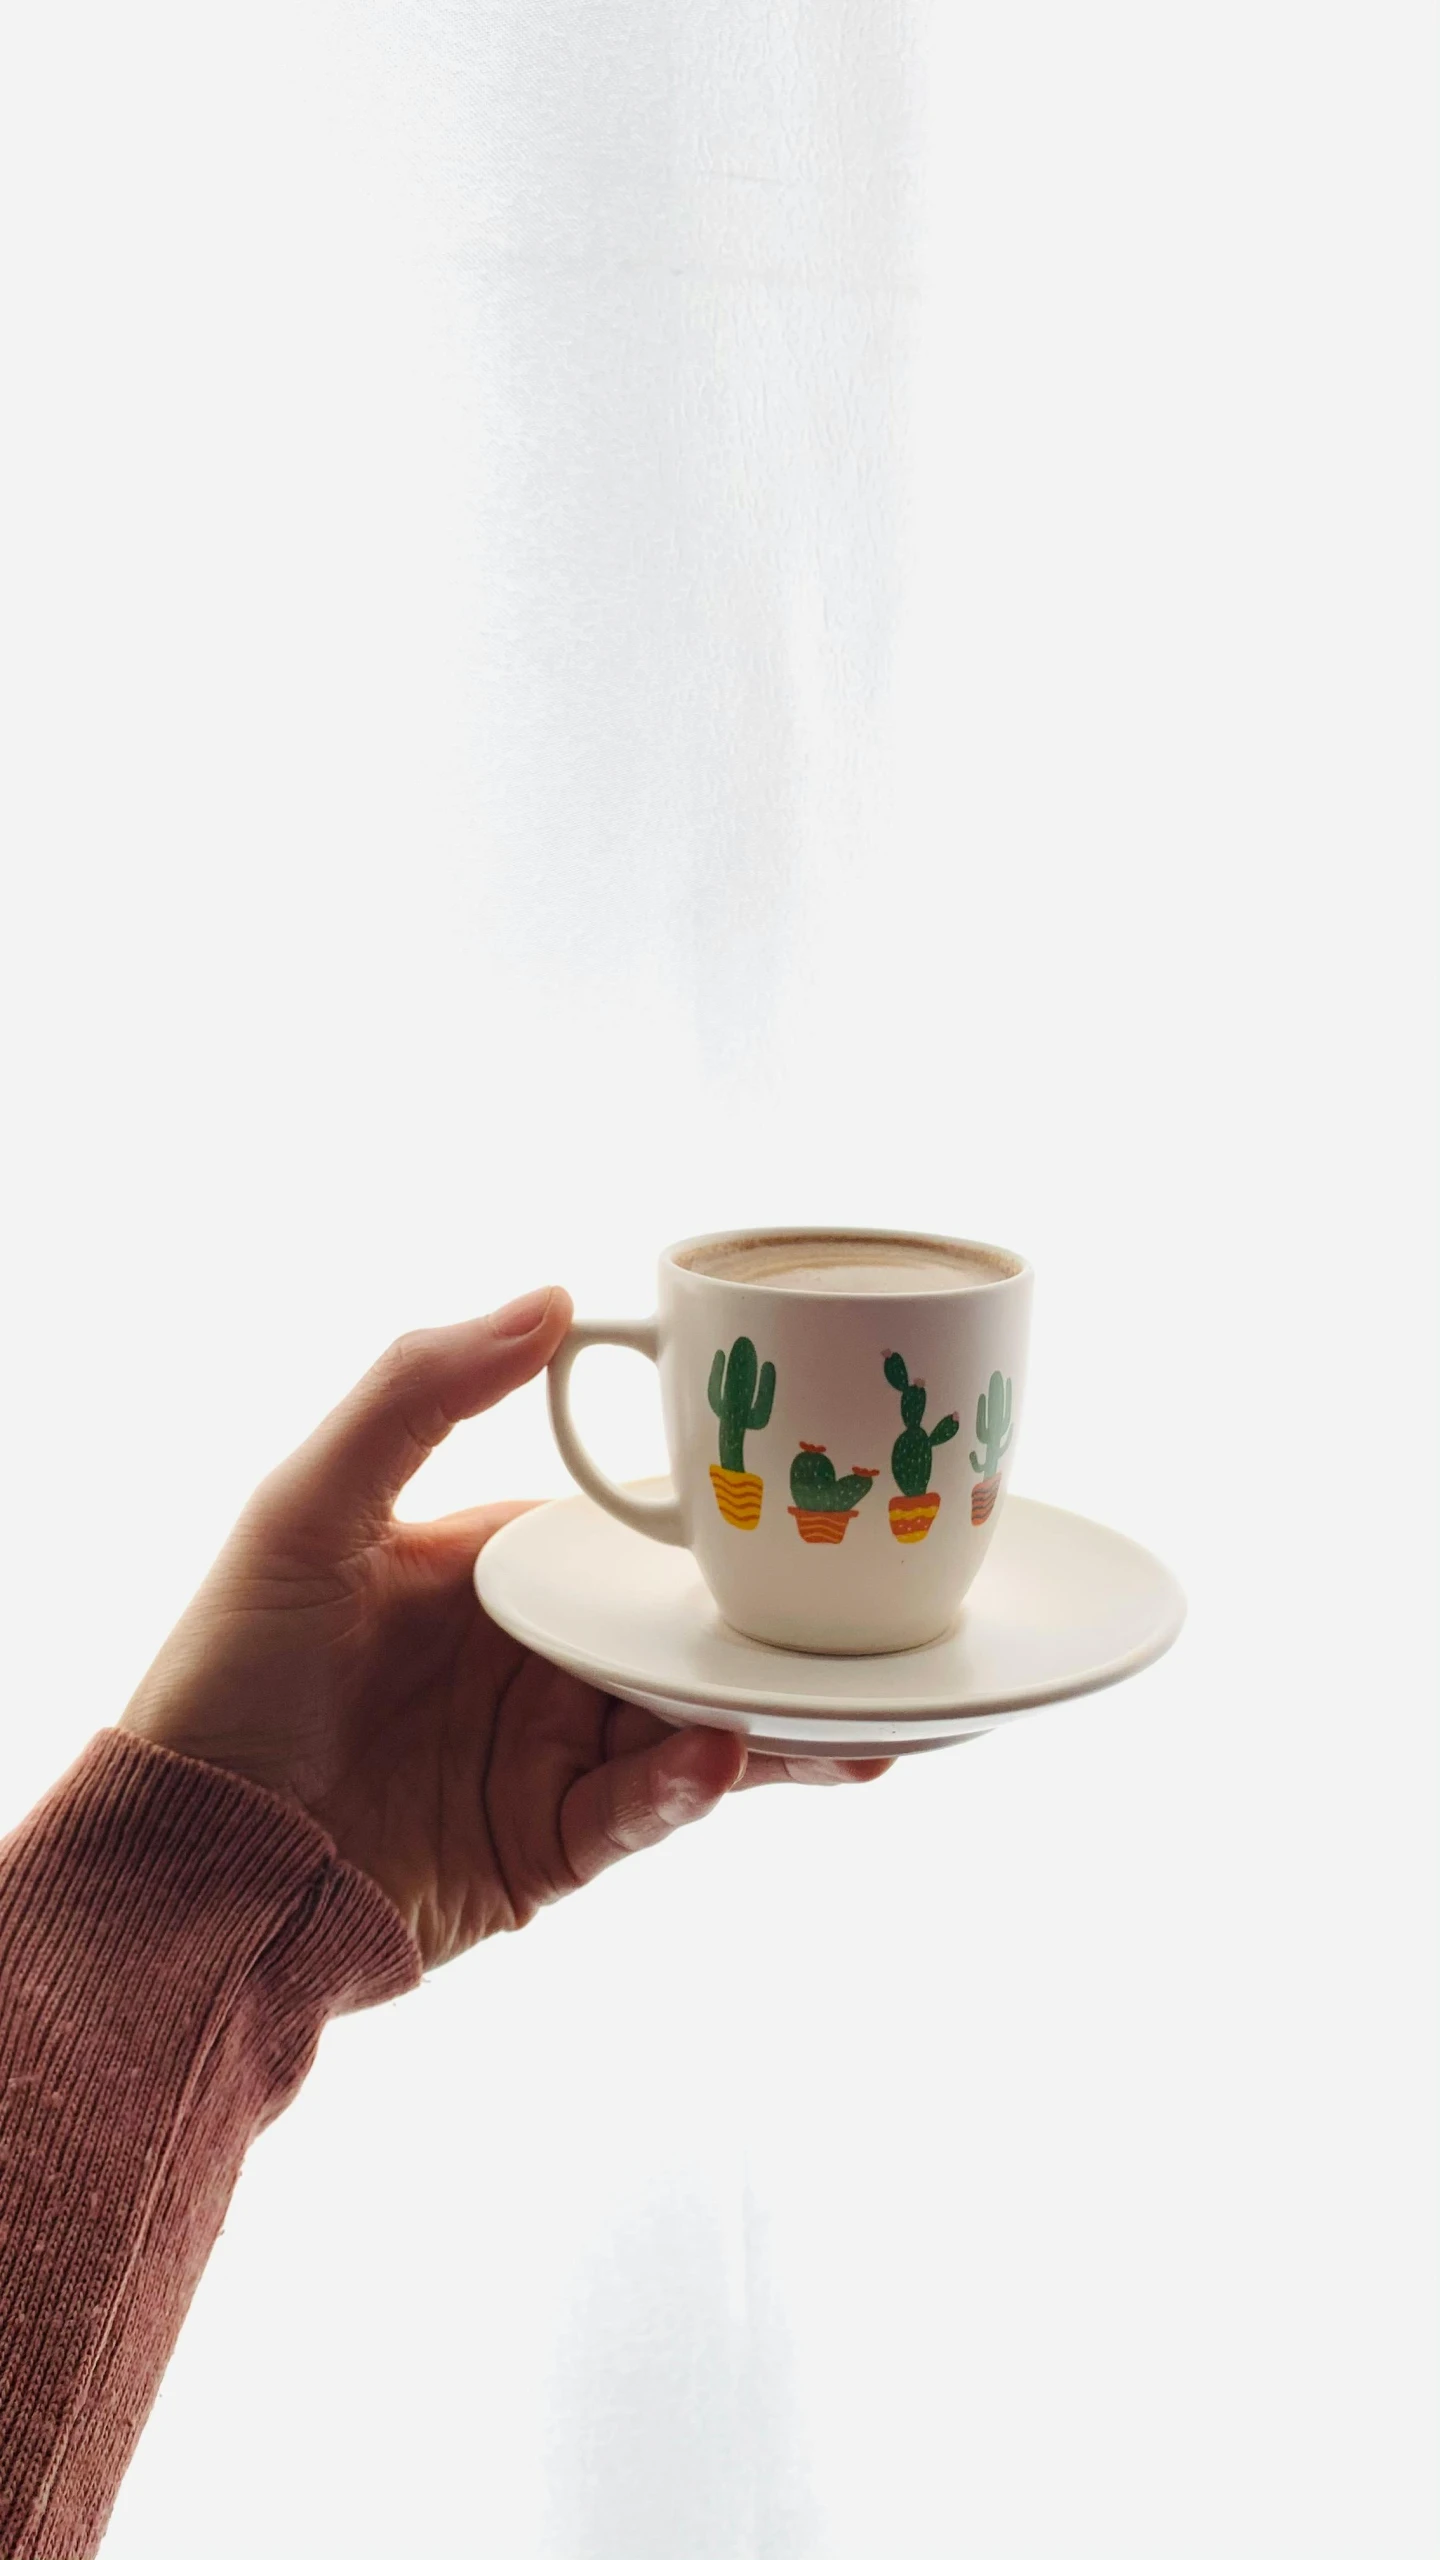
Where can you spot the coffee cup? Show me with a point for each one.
(841, 1408)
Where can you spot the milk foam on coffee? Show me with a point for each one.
(851, 1266)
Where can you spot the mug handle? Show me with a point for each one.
(655, 1517)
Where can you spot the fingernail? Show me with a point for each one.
(522, 1315)
(689, 1786)
(680, 1799)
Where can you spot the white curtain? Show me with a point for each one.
(626, 618)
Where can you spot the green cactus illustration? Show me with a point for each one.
(814, 1485)
(738, 1401)
(992, 1425)
(910, 1457)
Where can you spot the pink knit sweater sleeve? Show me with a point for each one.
(172, 1940)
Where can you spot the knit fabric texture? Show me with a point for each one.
(172, 1940)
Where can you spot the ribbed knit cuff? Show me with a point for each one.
(219, 1872)
(249, 1849)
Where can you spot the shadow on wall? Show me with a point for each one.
(678, 2354)
(679, 253)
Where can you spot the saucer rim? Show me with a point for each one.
(597, 1671)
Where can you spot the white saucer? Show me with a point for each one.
(1061, 1606)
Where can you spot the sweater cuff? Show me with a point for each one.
(210, 1865)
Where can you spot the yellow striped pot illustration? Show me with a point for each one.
(741, 1396)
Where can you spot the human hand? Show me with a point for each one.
(339, 1656)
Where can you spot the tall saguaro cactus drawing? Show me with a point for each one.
(992, 1430)
(741, 1396)
(914, 1507)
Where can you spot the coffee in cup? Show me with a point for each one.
(847, 1266)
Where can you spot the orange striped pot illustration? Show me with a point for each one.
(913, 1508)
(911, 1515)
(992, 1430)
(741, 1396)
(825, 1504)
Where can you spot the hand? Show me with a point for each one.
(340, 1657)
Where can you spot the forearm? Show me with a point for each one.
(171, 1943)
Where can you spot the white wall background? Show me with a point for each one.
(559, 560)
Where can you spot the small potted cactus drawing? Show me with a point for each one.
(741, 1399)
(914, 1507)
(992, 1430)
(824, 1504)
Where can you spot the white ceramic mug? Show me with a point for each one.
(838, 1461)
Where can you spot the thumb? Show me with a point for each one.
(341, 1484)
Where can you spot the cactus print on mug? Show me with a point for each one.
(913, 1508)
(824, 1504)
(741, 1400)
(992, 1430)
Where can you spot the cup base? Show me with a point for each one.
(791, 1643)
